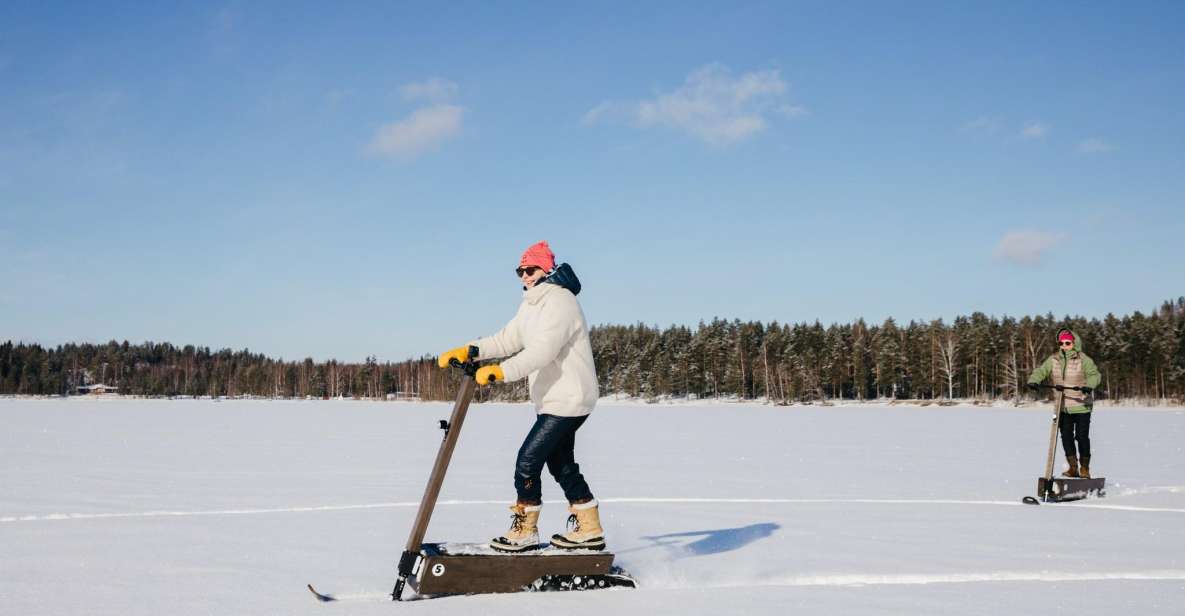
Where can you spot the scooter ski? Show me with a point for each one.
(1052, 489)
(435, 569)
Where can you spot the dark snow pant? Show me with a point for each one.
(1075, 426)
(551, 441)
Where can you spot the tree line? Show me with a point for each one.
(977, 356)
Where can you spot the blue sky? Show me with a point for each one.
(343, 182)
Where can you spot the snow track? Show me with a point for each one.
(57, 517)
(916, 579)
(898, 579)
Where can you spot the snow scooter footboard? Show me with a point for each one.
(1061, 489)
(470, 569)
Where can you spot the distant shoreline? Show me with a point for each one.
(1159, 405)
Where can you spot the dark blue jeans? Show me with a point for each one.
(1075, 426)
(551, 441)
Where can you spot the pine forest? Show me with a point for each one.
(978, 357)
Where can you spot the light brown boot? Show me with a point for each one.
(1084, 469)
(584, 529)
(524, 530)
(1073, 470)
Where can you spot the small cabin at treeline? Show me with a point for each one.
(98, 389)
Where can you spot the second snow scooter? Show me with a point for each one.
(434, 569)
(1051, 489)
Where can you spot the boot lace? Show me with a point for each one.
(516, 521)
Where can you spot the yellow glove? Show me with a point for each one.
(460, 354)
(489, 374)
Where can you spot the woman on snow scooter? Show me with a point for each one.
(548, 338)
(1070, 367)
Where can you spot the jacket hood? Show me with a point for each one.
(564, 277)
(1077, 341)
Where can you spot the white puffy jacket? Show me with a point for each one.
(550, 336)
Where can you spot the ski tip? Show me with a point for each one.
(320, 597)
(1030, 500)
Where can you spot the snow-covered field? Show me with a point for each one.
(204, 507)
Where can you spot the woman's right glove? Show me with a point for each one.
(489, 374)
(460, 354)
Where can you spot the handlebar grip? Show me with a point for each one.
(469, 366)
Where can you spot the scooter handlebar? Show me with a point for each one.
(1062, 387)
(469, 366)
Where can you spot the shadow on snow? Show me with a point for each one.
(709, 541)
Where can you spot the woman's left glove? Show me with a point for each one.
(489, 374)
(460, 354)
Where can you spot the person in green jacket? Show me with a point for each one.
(1070, 367)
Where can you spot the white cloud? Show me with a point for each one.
(1026, 246)
(792, 111)
(434, 89)
(601, 111)
(1094, 145)
(712, 105)
(1034, 130)
(982, 124)
(424, 130)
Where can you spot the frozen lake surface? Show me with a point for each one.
(203, 507)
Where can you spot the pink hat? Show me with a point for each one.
(538, 255)
(1065, 336)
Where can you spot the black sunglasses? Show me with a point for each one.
(1067, 343)
(530, 271)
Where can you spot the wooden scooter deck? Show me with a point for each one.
(1071, 488)
(446, 569)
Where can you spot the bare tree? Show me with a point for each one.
(1011, 384)
(948, 351)
(769, 394)
(812, 381)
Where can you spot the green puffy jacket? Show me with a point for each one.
(1072, 369)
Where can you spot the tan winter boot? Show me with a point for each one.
(1084, 470)
(584, 529)
(1073, 470)
(524, 530)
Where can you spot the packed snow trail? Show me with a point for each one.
(920, 579)
(874, 579)
(57, 517)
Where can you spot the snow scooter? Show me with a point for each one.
(435, 569)
(1052, 489)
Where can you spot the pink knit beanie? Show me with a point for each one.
(538, 255)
